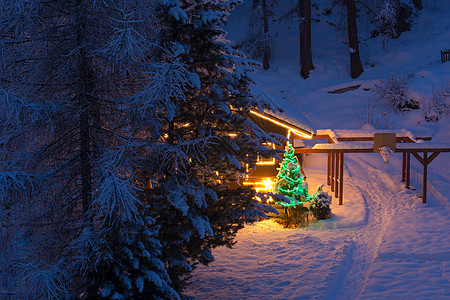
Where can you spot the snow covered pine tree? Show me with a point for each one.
(74, 134)
(106, 129)
(197, 199)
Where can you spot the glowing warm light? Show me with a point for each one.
(267, 185)
(296, 131)
(232, 134)
(266, 163)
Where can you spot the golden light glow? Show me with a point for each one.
(267, 185)
(232, 134)
(266, 163)
(297, 132)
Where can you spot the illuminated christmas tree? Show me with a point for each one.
(290, 181)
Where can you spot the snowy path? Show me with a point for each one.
(380, 196)
(381, 243)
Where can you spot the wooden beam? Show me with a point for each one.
(433, 156)
(408, 169)
(366, 150)
(419, 159)
(341, 179)
(332, 171)
(328, 168)
(403, 167)
(336, 176)
(424, 178)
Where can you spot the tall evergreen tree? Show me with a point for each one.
(122, 131)
(74, 132)
(199, 204)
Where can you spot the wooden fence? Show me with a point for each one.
(445, 55)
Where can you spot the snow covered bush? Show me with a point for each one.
(369, 118)
(436, 107)
(394, 91)
(320, 204)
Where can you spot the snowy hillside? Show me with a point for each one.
(383, 243)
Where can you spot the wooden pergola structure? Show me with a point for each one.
(358, 141)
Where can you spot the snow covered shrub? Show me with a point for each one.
(369, 118)
(320, 204)
(394, 91)
(436, 107)
(125, 261)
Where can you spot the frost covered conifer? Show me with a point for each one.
(116, 148)
(79, 121)
(211, 138)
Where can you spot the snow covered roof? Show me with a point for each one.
(283, 112)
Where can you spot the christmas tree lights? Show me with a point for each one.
(290, 181)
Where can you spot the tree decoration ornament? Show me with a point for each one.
(290, 181)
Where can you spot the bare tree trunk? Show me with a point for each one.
(356, 67)
(306, 63)
(255, 3)
(266, 33)
(418, 4)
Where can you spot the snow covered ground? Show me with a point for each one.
(383, 243)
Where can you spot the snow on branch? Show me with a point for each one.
(15, 13)
(45, 281)
(89, 249)
(116, 200)
(183, 192)
(12, 183)
(176, 157)
(201, 225)
(17, 112)
(169, 79)
(127, 44)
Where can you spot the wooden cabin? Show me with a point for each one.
(295, 128)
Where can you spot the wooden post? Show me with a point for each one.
(425, 161)
(424, 178)
(403, 167)
(341, 178)
(332, 171)
(336, 175)
(328, 168)
(408, 168)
